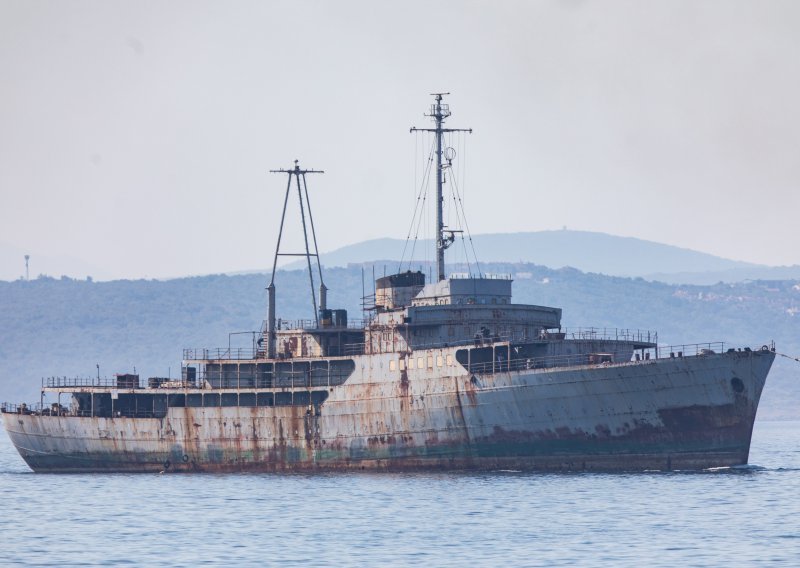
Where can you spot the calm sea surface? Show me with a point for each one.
(740, 518)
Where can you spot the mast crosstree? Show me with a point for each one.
(439, 113)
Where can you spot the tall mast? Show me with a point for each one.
(439, 112)
(302, 194)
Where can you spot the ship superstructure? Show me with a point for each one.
(447, 374)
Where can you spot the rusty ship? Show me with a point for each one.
(443, 373)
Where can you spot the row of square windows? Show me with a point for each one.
(421, 362)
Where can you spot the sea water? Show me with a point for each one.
(733, 517)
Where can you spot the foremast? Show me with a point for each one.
(439, 112)
(302, 192)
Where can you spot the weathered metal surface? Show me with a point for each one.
(681, 413)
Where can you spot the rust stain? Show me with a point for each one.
(470, 391)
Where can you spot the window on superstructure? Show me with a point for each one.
(420, 363)
(247, 399)
(449, 360)
(392, 365)
(430, 361)
(176, 400)
(402, 364)
(439, 361)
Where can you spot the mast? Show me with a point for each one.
(302, 195)
(439, 112)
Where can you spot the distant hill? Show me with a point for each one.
(732, 275)
(12, 264)
(599, 253)
(587, 251)
(64, 327)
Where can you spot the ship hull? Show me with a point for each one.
(668, 414)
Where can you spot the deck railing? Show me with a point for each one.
(501, 364)
(221, 353)
(105, 382)
(310, 324)
(11, 408)
(608, 334)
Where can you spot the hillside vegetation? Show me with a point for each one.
(65, 327)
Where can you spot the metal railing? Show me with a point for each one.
(586, 359)
(310, 324)
(606, 334)
(104, 382)
(690, 349)
(222, 353)
(355, 348)
(485, 276)
(580, 333)
(502, 365)
(11, 408)
(576, 333)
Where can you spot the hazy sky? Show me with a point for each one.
(136, 137)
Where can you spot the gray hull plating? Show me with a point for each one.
(681, 413)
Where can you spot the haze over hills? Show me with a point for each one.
(12, 264)
(587, 251)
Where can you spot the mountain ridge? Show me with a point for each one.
(587, 251)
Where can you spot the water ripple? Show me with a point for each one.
(737, 516)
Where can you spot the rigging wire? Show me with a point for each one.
(461, 141)
(420, 211)
(457, 193)
(416, 201)
(469, 233)
(788, 357)
(462, 216)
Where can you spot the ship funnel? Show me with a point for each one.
(323, 297)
